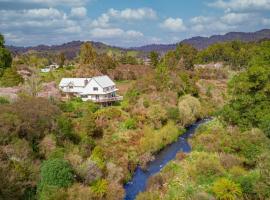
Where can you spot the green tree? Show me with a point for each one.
(5, 56)
(56, 173)
(154, 58)
(61, 59)
(87, 54)
(187, 54)
(11, 78)
(250, 105)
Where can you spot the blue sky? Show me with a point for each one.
(127, 22)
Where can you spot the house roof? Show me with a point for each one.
(78, 82)
(104, 81)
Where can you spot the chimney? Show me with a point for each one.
(85, 82)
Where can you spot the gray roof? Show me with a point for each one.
(104, 81)
(78, 82)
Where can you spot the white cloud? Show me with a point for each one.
(175, 25)
(237, 18)
(266, 21)
(133, 14)
(108, 33)
(203, 25)
(79, 12)
(242, 5)
(52, 2)
(126, 15)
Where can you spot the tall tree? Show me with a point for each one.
(61, 59)
(187, 54)
(154, 58)
(87, 54)
(5, 56)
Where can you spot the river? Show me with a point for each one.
(140, 177)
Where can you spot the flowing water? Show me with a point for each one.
(140, 177)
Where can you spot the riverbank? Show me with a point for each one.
(140, 177)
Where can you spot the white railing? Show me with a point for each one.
(111, 99)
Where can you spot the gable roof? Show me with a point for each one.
(78, 82)
(104, 81)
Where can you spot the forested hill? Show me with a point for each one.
(204, 42)
(71, 49)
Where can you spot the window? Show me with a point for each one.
(95, 88)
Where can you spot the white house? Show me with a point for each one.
(100, 89)
(49, 68)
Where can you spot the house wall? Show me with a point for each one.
(90, 87)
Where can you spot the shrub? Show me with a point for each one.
(248, 183)
(189, 108)
(157, 116)
(225, 189)
(89, 126)
(11, 78)
(204, 166)
(130, 124)
(116, 191)
(79, 192)
(98, 157)
(47, 145)
(89, 172)
(100, 188)
(52, 193)
(146, 103)
(86, 145)
(65, 130)
(4, 100)
(154, 140)
(173, 113)
(55, 173)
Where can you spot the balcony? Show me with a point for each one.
(105, 100)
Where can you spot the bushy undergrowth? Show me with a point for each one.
(225, 164)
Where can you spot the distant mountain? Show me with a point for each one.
(71, 49)
(204, 42)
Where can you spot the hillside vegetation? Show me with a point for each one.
(230, 158)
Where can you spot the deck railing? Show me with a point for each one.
(111, 99)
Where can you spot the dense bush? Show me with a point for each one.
(29, 118)
(155, 140)
(157, 116)
(55, 173)
(100, 188)
(130, 123)
(11, 78)
(225, 189)
(189, 108)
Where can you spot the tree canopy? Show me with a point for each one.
(250, 90)
(5, 56)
